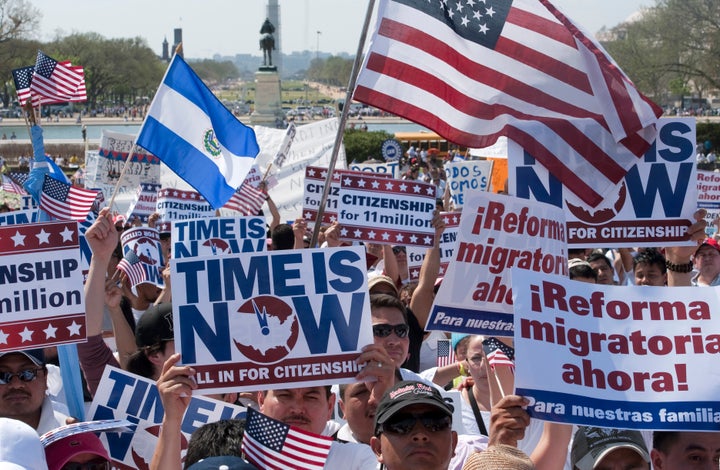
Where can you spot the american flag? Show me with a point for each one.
(271, 444)
(22, 78)
(133, 268)
(445, 353)
(64, 201)
(81, 92)
(498, 353)
(10, 186)
(247, 199)
(55, 81)
(473, 70)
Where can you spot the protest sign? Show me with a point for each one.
(416, 255)
(122, 395)
(177, 204)
(708, 186)
(465, 176)
(391, 169)
(105, 165)
(28, 202)
(312, 145)
(18, 217)
(314, 188)
(41, 301)
(251, 321)
(142, 256)
(217, 236)
(145, 202)
(652, 205)
(497, 232)
(387, 211)
(617, 356)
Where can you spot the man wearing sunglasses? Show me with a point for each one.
(23, 383)
(413, 429)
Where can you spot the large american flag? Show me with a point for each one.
(271, 444)
(247, 199)
(445, 353)
(474, 70)
(64, 201)
(56, 81)
(498, 353)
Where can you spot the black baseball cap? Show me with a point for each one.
(155, 325)
(407, 393)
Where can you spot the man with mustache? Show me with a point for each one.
(23, 383)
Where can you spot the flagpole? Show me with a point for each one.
(343, 120)
(178, 50)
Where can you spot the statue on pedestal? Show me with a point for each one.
(267, 42)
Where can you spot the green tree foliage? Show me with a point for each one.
(215, 72)
(18, 20)
(364, 145)
(333, 71)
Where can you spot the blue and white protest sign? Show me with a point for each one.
(652, 205)
(416, 255)
(177, 204)
(42, 302)
(145, 202)
(218, 236)
(122, 395)
(387, 211)
(18, 217)
(142, 256)
(497, 232)
(616, 356)
(392, 169)
(472, 175)
(252, 321)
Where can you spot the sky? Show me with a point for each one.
(229, 27)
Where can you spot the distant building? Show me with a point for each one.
(178, 40)
(165, 52)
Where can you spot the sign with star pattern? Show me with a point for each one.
(386, 211)
(42, 302)
(176, 204)
(416, 254)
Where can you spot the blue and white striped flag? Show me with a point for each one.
(196, 136)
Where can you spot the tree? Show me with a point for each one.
(211, 71)
(362, 145)
(18, 20)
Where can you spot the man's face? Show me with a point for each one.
(305, 408)
(603, 270)
(707, 261)
(359, 410)
(419, 449)
(396, 347)
(22, 400)
(649, 275)
(692, 451)
(622, 459)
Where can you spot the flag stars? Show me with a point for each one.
(471, 3)
(489, 12)
(3, 337)
(403, 187)
(361, 183)
(347, 182)
(483, 29)
(308, 215)
(371, 234)
(343, 232)
(66, 234)
(416, 188)
(413, 239)
(311, 172)
(357, 233)
(399, 237)
(375, 184)
(427, 240)
(323, 175)
(477, 15)
(465, 21)
(386, 236)
(459, 7)
(389, 186)
(18, 238)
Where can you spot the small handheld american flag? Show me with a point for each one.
(498, 353)
(445, 353)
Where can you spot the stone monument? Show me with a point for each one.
(268, 102)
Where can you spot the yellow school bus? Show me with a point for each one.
(428, 141)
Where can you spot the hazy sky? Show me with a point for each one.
(228, 27)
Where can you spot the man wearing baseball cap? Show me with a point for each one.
(23, 383)
(707, 263)
(607, 449)
(413, 428)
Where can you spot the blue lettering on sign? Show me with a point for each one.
(331, 313)
(118, 442)
(528, 182)
(217, 341)
(658, 183)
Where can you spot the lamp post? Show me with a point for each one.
(317, 45)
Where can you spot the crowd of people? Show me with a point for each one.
(396, 414)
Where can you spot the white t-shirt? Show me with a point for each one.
(350, 456)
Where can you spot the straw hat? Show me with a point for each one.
(499, 457)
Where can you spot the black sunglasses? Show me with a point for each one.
(398, 249)
(383, 330)
(25, 375)
(95, 464)
(401, 424)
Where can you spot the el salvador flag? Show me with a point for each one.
(196, 136)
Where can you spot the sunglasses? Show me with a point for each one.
(383, 330)
(402, 424)
(398, 249)
(95, 464)
(26, 375)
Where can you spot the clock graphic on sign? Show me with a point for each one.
(265, 329)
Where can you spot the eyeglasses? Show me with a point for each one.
(383, 330)
(95, 464)
(398, 249)
(25, 375)
(476, 360)
(402, 424)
